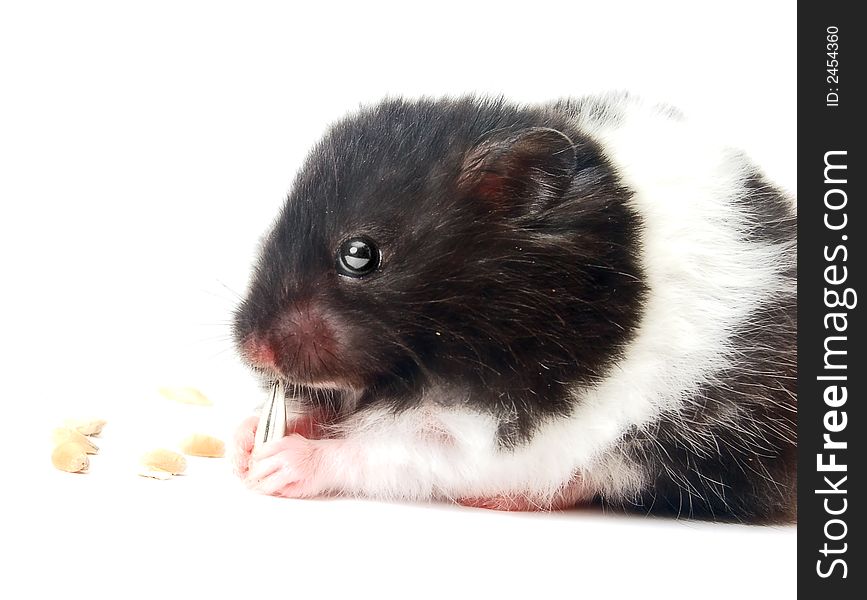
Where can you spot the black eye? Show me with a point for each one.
(357, 257)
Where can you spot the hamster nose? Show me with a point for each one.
(259, 352)
(301, 344)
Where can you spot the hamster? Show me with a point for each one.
(529, 308)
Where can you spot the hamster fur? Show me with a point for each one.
(581, 301)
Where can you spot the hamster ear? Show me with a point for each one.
(526, 172)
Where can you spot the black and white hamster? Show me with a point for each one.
(528, 308)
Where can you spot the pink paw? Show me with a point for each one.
(245, 436)
(569, 496)
(284, 467)
(507, 503)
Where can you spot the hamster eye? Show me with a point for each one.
(357, 257)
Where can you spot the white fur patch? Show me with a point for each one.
(704, 277)
(704, 280)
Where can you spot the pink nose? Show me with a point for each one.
(301, 343)
(259, 352)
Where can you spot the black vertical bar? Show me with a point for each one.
(831, 264)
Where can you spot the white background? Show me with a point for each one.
(143, 151)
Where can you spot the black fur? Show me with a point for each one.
(510, 274)
(508, 256)
(704, 463)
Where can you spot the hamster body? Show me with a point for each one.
(528, 308)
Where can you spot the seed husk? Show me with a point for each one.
(185, 395)
(201, 444)
(61, 435)
(85, 426)
(164, 460)
(70, 457)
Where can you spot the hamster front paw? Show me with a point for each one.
(245, 436)
(284, 467)
(504, 503)
(570, 495)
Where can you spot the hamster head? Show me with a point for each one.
(439, 240)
